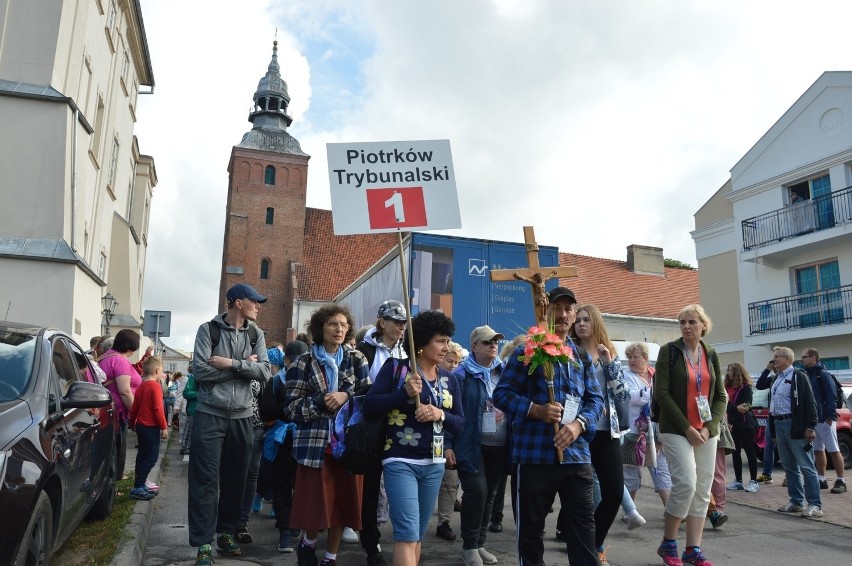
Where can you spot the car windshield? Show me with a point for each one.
(17, 351)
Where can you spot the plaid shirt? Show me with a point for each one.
(532, 438)
(305, 389)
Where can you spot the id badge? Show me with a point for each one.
(704, 408)
(489, 418)
(438, 449)
(571, 407)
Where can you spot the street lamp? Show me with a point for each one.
(109, 303)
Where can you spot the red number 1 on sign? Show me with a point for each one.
(396, 207)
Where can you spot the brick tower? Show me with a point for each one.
(265, 216)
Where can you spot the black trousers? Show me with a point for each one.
(283, 480)
(538, 485)
(744, 439)
(478, 490)
(606, 461)
(370, 534)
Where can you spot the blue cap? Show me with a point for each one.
(244, 291)
(276, 357)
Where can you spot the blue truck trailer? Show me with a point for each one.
(452, 274)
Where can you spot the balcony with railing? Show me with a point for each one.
(808, 310)
(800, 219)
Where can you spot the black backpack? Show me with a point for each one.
(216, 333)
(266, 402)
(841, 398)
(358, 440)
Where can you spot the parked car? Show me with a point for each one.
(760, 407)
(59, 442)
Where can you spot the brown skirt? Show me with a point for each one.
(326, 497)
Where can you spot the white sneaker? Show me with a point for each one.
(471, 557)
(487, 557)
(752, 487)
(349, 536)
(813, 511)
(635, 521)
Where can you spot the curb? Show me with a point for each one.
(135, 538)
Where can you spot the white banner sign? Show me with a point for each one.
(389, 186)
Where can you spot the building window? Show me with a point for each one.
(102, 266)
(125, 70)
(818, 192)
(269, 175)
(270, 215)
(264, 269)
(95, 150)
(113, 163)
(819, 304)
(113, 12)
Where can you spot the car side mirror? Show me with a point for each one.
(82, 395)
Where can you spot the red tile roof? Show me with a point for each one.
(614, 289)
(331, 263)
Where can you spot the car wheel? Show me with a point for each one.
(38, 538)
(844, 441)
(106, 500)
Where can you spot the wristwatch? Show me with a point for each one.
(442, 416)
(582, 421)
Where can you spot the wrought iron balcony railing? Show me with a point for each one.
(831, 306)
(798, 219)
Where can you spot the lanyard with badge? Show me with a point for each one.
(489, 413)
(436, 396)
(701, 401)
(572, 402)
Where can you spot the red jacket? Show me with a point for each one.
(147, 406)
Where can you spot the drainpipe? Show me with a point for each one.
(74, 180)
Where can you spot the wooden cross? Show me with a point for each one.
(534, 275)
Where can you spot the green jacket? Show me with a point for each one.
(190, 393)
(670, 386)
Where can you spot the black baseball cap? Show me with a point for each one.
(244, 291)
(559, 292)
(295, 348)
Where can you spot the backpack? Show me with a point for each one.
(369, 352)
(357, 441)
(266, 402)
(216, 332)
(839, 391)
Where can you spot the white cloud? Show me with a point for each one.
(603, 124)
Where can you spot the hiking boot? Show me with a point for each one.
(823, 484)
(791, 508)
(668, 552)
(495, 527)
(471, 557)
(812, 512)
(445, 531)
(717, 519)
(487, 557)
(227, 545)
(695, 557)
(764, 478)
(839, 486)
(257, 504)
(204, 556)
(285, 541)
(306, 555)
(752, 487)
(142, 494)
(735, 486)
(242, 535)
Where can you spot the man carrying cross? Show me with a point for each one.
(539, 476)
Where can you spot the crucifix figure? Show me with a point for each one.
(534, 276)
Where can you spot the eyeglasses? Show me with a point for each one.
(490, 342)
(338, 325)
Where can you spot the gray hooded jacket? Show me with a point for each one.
(227, 392)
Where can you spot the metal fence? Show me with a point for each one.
(798, 219)
(831, 306)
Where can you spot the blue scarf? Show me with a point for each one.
(330, 364)
(475, 369)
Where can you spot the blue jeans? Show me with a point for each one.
(794, 458)
(412, 492)
(148, 452)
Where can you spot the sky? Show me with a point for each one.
(602, 124)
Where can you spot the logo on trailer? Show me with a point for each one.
(476, 267)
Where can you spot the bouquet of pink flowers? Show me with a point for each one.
(544, 348)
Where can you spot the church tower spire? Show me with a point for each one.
(271, 98)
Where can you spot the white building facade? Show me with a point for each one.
(774, 244)
(75, 188)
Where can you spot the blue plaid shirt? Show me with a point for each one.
(532, 438)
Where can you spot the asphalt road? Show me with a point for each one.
(754, 533)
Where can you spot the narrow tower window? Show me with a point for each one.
(264, 269)
(269, 176)
(270, 215)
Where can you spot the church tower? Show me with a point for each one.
(265, 216)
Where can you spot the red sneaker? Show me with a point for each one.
(668, 552)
